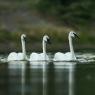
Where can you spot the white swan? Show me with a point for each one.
(19, 56)
(41, 56)
(69, 56)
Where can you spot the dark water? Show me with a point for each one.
(43, 78)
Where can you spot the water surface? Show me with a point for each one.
(49, 78)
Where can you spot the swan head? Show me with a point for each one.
(46, 39)
(23, 36)
(73, 34)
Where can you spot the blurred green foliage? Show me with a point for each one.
(74, 13)
(58, 36)
(78, 15)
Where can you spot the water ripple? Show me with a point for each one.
(81, 58)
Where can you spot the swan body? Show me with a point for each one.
(12, 56)
(44, 56)
(40, 56)
(21, 55)
(58, 56)
(34, 56)
(64, 56)
(69, 56)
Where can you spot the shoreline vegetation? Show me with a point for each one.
(55, 18)
(10, 41)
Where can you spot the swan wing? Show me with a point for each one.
(19, 56)
(47, 57)
(69, 57)
(43, 56)
(12, 56)
(34, 56)
(58, 56)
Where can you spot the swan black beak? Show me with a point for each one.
(25, 38)
(76, 36)
(48, 41)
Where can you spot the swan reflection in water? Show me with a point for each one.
(40, 65)
(66, 75)
(41, 78)
(17, 85)
(55, 74)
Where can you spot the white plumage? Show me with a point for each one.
(21, 55)
(41, 56)
(69, 56)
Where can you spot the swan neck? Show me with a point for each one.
(44, 47)
(71, 45)
(23, 48)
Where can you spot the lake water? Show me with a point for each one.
(49, 78)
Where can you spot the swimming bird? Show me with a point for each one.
(41, 56)
(68, 56)
(13, 56)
